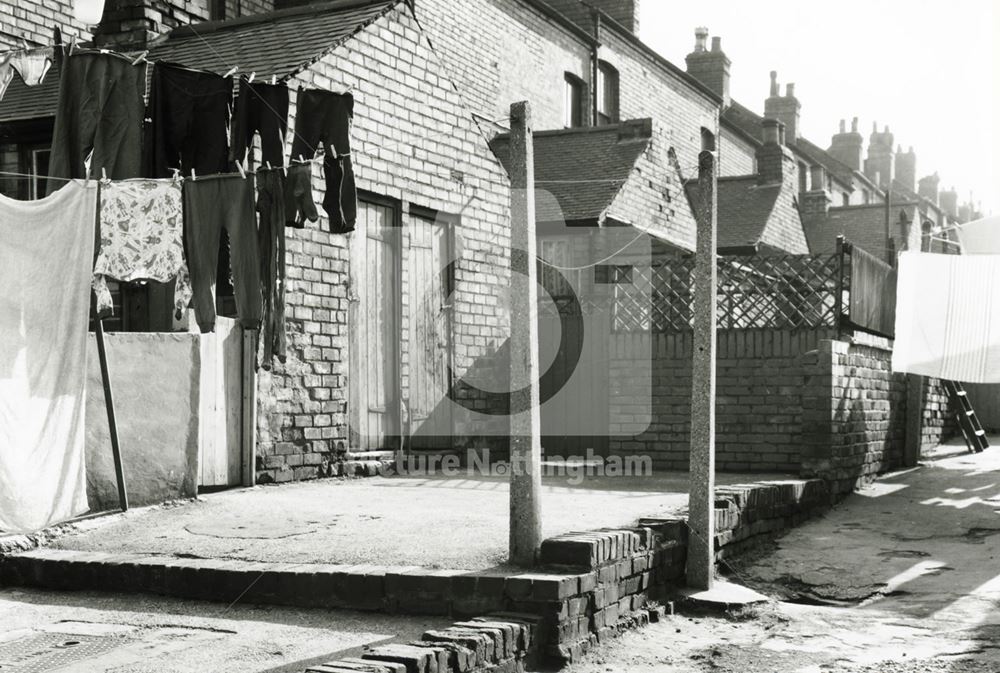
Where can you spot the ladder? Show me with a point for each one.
(972, 429)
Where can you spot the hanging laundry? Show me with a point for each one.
(324, 118)
(142, 228)
(100, 109)
(33, 64)
(299, 204)
(981, 237)
(6, 72)
(47, 250)
(189, 122)
(260, 108)
(212, 203)
(271, 244)
(948, 317)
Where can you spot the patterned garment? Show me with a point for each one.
(142, 225)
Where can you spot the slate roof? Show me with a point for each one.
(574, 10)
(584, 169)
(274, 43)
(862, 225)
(744, 210)
(23, 102)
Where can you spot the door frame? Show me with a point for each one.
(357, 383)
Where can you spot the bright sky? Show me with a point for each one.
(926, 68)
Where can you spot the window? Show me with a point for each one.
(607, 94)
(803, 177)
(707, 140)
(573, 104)
(846, 199)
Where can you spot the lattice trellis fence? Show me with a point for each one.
(795, 291)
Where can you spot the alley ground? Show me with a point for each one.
(90, 633)
(902, 578)
(442, 522)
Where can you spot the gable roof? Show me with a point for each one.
(271, 44)
(744, 210)
(584, 169)
(863, 226)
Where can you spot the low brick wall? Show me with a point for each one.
(760, 391)
(938, 422)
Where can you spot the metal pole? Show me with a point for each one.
(701, 497)
(525, 426)
(109, 402)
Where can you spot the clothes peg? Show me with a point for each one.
(177, 174)
(239, 167)
(140, 58)
(274, 80)
(232, 71)
(24, 43)
(268, 165)
(72, 45)
(193, 176)
(104, 175)
(250, 78)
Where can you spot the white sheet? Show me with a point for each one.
(981, 237)
(46, 257)
(948, 317)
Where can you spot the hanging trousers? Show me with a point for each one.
(100, 110)
(271, 244)
(323, 119)
(261, 108)
(189, 122)
(211, 204)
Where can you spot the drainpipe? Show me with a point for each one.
(594, 69)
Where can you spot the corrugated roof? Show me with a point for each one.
(744, 210)
(276, 43)
(584, 169)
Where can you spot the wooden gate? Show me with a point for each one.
(221, 409)
(374, 327)
(429, 283)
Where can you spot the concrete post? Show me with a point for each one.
(701, 496)
(525, 426)
(914, 419)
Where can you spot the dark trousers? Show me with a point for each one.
(271, 244)
(323, 119)
(101, 108)
(299, 204)
(260, 108)
(211, 204)
(189, 113)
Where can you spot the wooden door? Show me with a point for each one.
(429, 286)
(374, 325)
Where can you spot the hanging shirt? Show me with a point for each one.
(142, 228)
(47, 248)
(981, 237)
(948, 317)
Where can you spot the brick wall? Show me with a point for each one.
(736, 155)
(784, 226)
(34, 21)
(414, 141)
(938, 423)
(760, 393)
(649, 90)
(501, 51)
(854, 418)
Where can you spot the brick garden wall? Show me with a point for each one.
(414, 141)
(34, 21)
(938, 422)
(760, 391)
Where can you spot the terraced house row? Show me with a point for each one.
(395, 330)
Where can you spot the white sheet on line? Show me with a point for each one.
(46, 257)
(948, 317)
(981, 237)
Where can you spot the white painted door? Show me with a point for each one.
(220, 406)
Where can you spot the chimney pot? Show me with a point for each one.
(771, 135)
(700, 38)
(774, 82)
(790, 90)
(843, 126)
(772, 155)
(854, 125)
(716, 44)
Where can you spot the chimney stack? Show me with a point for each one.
(906, 168)
(625, 12)
(773, 155)
(880, 164)
(928, 188)
(847, 146)
(711, 68)
(948, 200)
(816, 201)
(783, 108)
